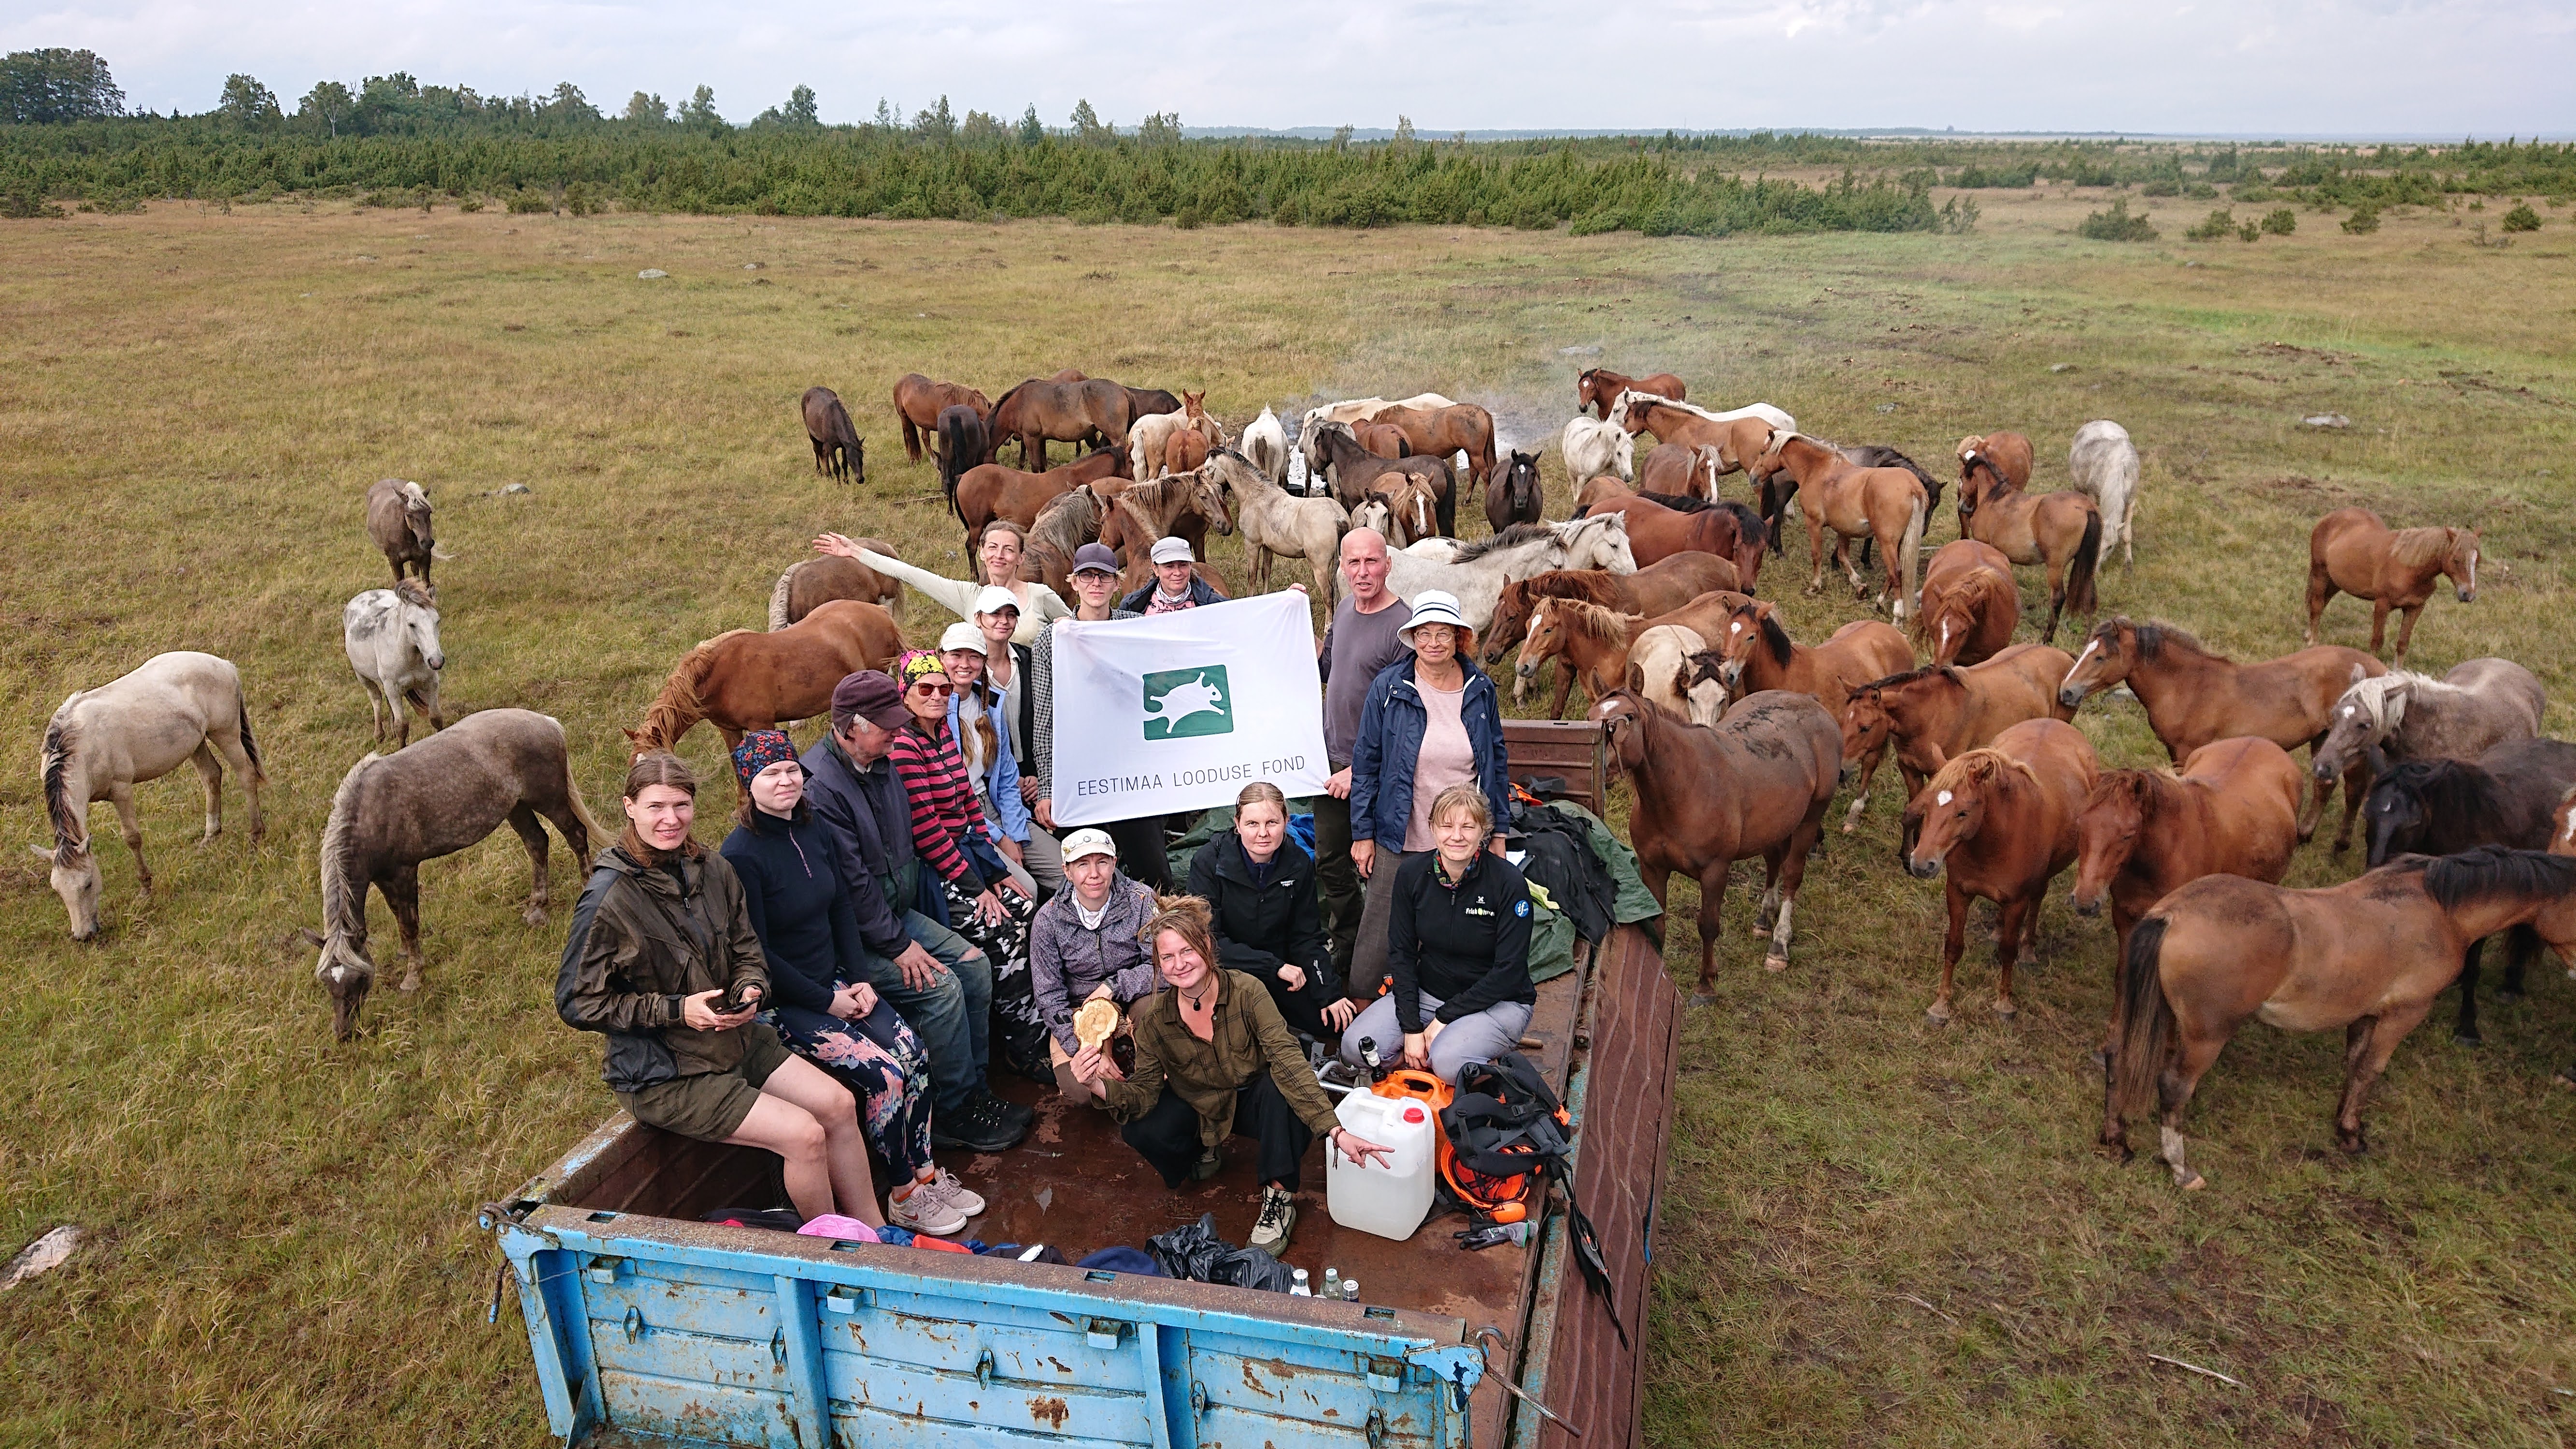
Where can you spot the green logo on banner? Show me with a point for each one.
(1183, 704)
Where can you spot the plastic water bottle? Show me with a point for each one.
(1388, 1198)
(1332, 1283)
(1298, 1287)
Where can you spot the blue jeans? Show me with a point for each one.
(951, 1016)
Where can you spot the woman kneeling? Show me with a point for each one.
(1213, 1058)
(662, 937)
(1457, 944)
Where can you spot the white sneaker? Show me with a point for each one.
(925, 1211)
(950, 1190)
(1278, 1219)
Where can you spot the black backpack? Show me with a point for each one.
(1505, 1124)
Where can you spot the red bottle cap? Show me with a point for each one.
(1412, 1114)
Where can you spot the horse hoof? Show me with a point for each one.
(534, 915)
(2464, 1039)
(2194, 1183)
(1775, 963)
(1703, 998)
(2006, 1009)
(2341, 846)
(411, 982)
(1939, 1013)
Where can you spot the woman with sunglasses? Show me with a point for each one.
(948, 823)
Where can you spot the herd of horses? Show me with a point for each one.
(1735, 734)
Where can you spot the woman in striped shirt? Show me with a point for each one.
(948, 823)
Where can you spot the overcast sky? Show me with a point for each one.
(2270, 67)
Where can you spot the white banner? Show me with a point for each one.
(1181, 711)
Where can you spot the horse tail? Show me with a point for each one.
(580, 810)
(250, 745)
(2079, 577)
(2146, 1020)
(778, 598)
(1910, 546)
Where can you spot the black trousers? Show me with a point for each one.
(1302, 1009)
(1168, 1136)
(1140, 852)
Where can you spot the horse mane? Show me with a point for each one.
(1678, 502)
(1588, 585)
(679, 697)
(70, 830)
(2442, 787)
(1748, 524)
(1600, 624)
(1512, 537)
(1014, 392)
(1977, 767)
(2140, 785)
(2479, 875)
(1658, 400)
(2383, 697)
(344, 892)
(1777, 639)
(415, 593)
(2153, 638)
(1912, 676)
(2416, 547)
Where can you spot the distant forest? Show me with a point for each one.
(66, 140)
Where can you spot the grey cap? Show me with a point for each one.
(1094, 558)
(1173, 550)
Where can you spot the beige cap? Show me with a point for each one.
(1090, 840)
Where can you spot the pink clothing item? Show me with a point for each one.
(833, 1225)
(1161, 605)
(1447, 757)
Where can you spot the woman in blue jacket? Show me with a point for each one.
(1431, 721)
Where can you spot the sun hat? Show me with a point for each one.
(870, 696)
(995, 599)
(1094, 558)
(917, 665)
(1432, 606)
(1173, 550)
(759, 750)
(962, 636)
(1090, 840)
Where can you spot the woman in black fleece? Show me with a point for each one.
(1260, 888)
(1457, 944)
(820, 1002)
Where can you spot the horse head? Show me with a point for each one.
(2107, 655)
(1865, 723)
(345, 971)
(1700, 670)
(1622, 715)
(419, 622)
(2106, 834)
(2362, 719)
(2460, 562)
(74, 876)
(1775, 446)
(416, 516)
(2396, 813)
(1545, 636)
(1603, 543)
(1949, 811)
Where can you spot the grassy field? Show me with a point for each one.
(1879, 1230)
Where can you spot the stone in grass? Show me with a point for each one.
(2327, 420)
(2061, 367)
(651, 274)
(751, 266)
(1580, 350)
(42, 1256)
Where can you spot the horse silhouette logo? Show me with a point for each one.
(1186, 703)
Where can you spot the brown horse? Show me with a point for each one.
(1690, 427)
(809, 585)
(963, 443)
(1061, 527)
(1756, 784)
(2193, 697)
(2369, 956)
(1039, 411)
(1684, 469)
(992, 490)
(1439, 432)
(1971, 602)
(743, 680)
(1659, 587)
(1657, 530)
(398, 519)
(1383, 439)
(917, 400)
(2351, 551)
(2001, 822)
(1887, 504)
(2144, 834)
(1933, 714)
(1599, 490)
(839, 451)
(2062, 530)
(1594, 641)
(1185, 451)
(1753, 652)
(1176, 505)
(1599, 388)
(2008, 454)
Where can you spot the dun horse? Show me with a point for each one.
(1657, 588)
(2479, 705)
(1599, 387)
(2061, 530)
(1888, 504)
(1183, 505)
(398, 521)
(2369, 956)
(839, 451)
(1275, 524)
(807, 586)
(1756, 784)
(449, 791)
(2000, 821)
(2351, 551)
(103, 742)
(2193, 696)
(1755, 653)
(1933, 715)
(744, 680)
(918, 401)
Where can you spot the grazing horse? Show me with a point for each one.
(2104, 463)
(1592, 448)
(2193, 696)
(2351, 551)
(963, 443)
(2144, 834)
(1439, 432)
(1039, 411)
(839, 451)
(804, 587)
(391, 638)
(1265, 443)
(1475, 573)
(2009, 455)
(2401, 715)
(1658, 588)
(1931, 715)
(1599, 387)
(398, 521)
(992, 491)
(1888, 504)
(394, 811)
(1183, 505)
(2369, 956)
(918, 401)
(1971, 602)
(1753, 653)
(1755, 784)
(103, 742)
(2062, 530)
(1597, 644)
(1354, 472)
(1662, 526)
(743, 680)
(1517, 496)
(1275, 524)
(2000, 822)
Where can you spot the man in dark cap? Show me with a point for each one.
(940, 984)
(1140, 842)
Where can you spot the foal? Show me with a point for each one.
(1754, 653)
(2352, 551)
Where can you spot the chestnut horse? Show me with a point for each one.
(1598, 490)
(1888, 504)
(1439, 432)
(2369, 956)
(2001, 822)
(2144, 834)
(1658, 530)
(839, 452)
(1594, 642)
(808, 585)
(1684, 469)
(2008, 454)
(2351, 551)
(1756, 784)
(743, 680)
(2062, 530)
(1753, 652)
(1037, 412)
(1383, 439)
(918, 400)
(1971, 602)
(1933, 714)
(1599, 387)
(2193, 697)
(1674, 421)
(1659, 587)
(1772, 491)
(993, 490)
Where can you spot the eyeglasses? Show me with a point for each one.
(929, 687)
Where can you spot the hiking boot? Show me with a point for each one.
(985, 1124)
(1278, 1219)
(923, 1210)
(945, 1185)
(1211, 1162)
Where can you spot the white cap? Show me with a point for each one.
(1431, 606)
(1090, 840)
(1173, 550)
(962, 635)
(995, 599)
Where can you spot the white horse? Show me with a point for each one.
(1265, 445)
(1477, 571)
(1146, 438)
(1272, 522)
(2105, 464)
(1659, 659)
(1591, 446)
(105, 741)
(1363, 408)
(1767, 413)
(391, 637)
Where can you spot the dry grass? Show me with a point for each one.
(194, 403)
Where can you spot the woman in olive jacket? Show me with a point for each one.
(1260, 888)
(661, 935)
